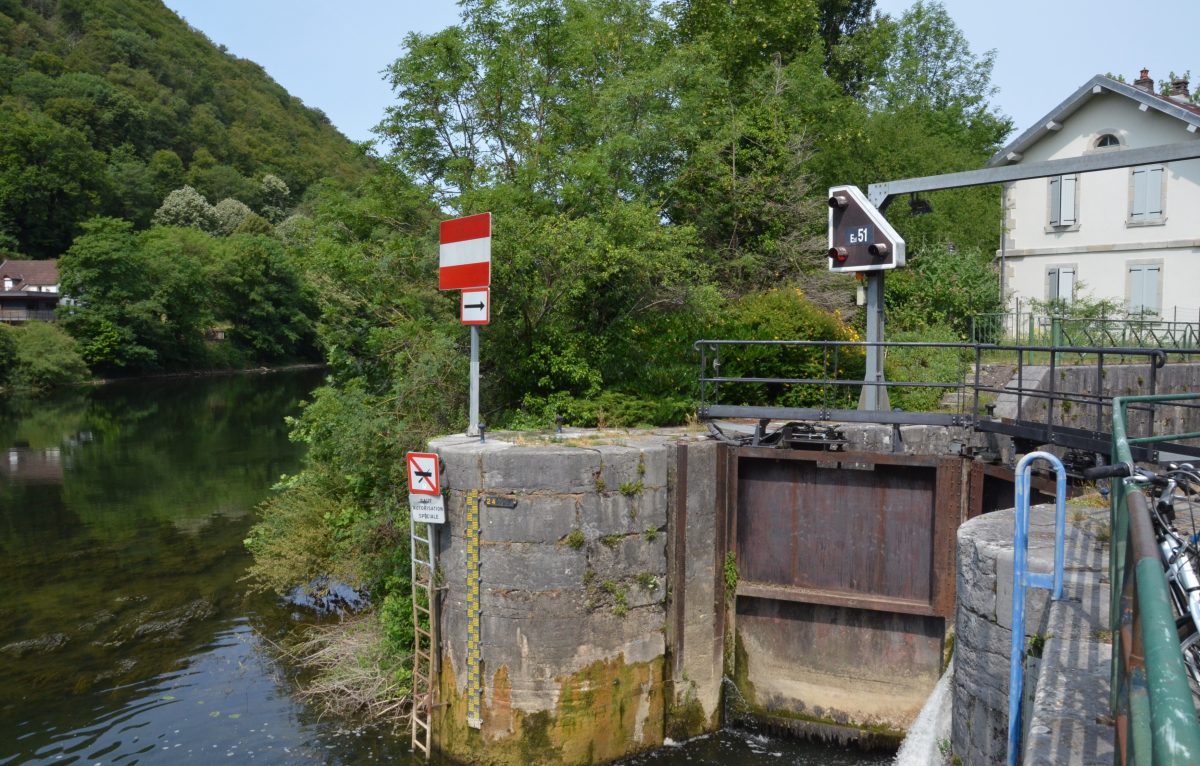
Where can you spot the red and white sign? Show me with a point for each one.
(423, 474)
(476, 306)
(465, 256)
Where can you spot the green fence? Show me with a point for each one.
(1151, 699)
(1032, 329)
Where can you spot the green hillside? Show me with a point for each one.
(108, 105)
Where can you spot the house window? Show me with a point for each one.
(1060, 284)
(1107, 140)
(1145, 289)
(1064, 200)
(1146, 194)
(8, 283)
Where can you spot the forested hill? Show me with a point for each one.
(106, 106)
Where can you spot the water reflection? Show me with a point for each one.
(126, 633)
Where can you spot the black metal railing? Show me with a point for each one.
(1058, 395)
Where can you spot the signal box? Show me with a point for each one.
(860, 238)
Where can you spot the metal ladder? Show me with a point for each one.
(424, 613)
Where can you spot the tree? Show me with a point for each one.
(265, 299)
(932, 71)
(274, 194)
(186, 207)
(230, 214)
(182, 269)
(50, 177)
(112, 313)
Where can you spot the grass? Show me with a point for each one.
(353, 673)
(574, 539)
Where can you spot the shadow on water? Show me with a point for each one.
(126, 632)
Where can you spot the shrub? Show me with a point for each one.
(785, 314)
(924, 365)
(46, 357)
(8, 353)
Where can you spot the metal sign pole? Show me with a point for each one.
(874, 397)
(473, 427)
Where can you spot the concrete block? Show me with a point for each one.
(610, 513)
(514, 604)
(555, 469)
(630, 556)
(620, 465)
(531, 566)
(536, 519)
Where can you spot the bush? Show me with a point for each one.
(924, 365)
(943, 287)
(46, 357)
(8, 353)
(785, 314)
(606, 409)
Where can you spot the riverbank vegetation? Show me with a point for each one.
(656, 174)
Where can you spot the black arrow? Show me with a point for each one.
(479, 305)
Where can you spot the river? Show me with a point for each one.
(127, 634)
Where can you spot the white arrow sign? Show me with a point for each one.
(476, 306)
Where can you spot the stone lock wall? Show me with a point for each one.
(573, 599)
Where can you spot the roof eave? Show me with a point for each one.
(1016, 148)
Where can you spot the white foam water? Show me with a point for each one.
(931, 730)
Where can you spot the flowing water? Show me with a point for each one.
(127, 634)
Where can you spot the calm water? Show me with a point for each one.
(126, 633)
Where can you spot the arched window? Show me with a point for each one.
(1107, 140)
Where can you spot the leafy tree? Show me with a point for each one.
(186, 207)
(50, 178)
(264, 297)
(182, 269)
(933, 71)
(113, 314)
(274, 194)
(230, 214)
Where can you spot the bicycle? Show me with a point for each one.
(1174, 515)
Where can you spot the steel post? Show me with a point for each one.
(874, 396)
(473, 427)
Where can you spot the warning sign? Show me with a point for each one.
(423, 474)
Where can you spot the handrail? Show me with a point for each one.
(1023, 578)
(1150, 696)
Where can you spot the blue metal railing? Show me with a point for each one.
(1023, 578)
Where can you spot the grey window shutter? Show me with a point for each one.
(1051, 284)
(1055, 200)
(1153, 290)
(1138, 213)
(1154, 184)
(1067, 216)
(1137, 281)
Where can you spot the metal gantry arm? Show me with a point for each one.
(883, 193)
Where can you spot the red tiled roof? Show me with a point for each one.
(25, 273)
(1188, 105)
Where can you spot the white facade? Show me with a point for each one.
(1131, 234)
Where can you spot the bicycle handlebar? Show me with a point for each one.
(1108, 471)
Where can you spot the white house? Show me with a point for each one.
(1129, 234)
